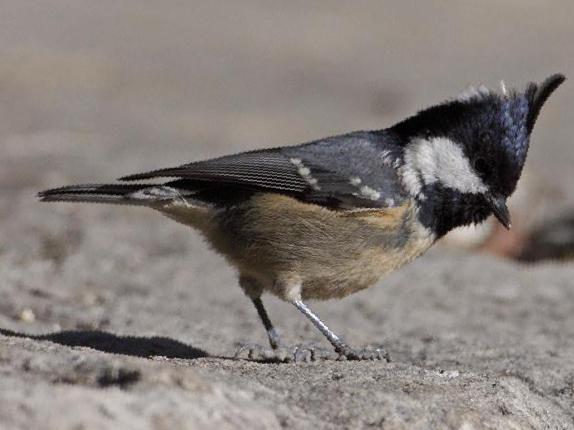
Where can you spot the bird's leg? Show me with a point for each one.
(341, 347)
(301, 352)
(271, 331)
(259, 352)
(253, 290)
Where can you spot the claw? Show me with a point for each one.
(308, 354)
(302, 355)
(252, 352)
(366, 354)
(241, 352)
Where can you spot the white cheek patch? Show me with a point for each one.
(439, 160)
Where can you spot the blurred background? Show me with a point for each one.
(480, 330)
(93, 90)
(90, 91)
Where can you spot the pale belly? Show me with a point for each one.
(282, 243)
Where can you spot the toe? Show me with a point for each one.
(309, 353)
(253, 352)
(366, 354)
(302, 355)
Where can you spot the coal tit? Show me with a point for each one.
(331, 217)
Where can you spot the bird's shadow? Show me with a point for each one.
(125, 345)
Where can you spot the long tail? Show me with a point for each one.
(136, 194)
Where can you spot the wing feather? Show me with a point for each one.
(353, 170)
(268, 168)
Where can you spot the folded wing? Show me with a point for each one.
(356, 170)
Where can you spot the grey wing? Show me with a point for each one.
(267, 169)
(356, 170)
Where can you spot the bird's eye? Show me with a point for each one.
(481, 167)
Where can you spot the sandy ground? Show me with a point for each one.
(119, 318)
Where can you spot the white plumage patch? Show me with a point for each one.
(410, 177)
(438, 160)
(390, 159)
(503, 88)
(305, 173)
(364, 190)
(161, 192)
(476, 93)
(370, 193)
(355, 180)
(473, 93)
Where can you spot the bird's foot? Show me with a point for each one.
(255, 352)
(306, 353)
(370, 353)
(309, 353)
(294, 354)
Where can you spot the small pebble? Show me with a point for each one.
(27, 315)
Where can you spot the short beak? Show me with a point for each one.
(500, 210)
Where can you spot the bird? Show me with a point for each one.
(328, 218)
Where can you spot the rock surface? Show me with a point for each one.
(469, 350)
(119, 318)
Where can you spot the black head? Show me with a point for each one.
(468, 153)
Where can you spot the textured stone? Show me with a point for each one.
(119, 318)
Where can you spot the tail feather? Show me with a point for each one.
(137, 194)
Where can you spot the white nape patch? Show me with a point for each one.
(438, 160)
(503, 88)
(305, 173)
(472, 92)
